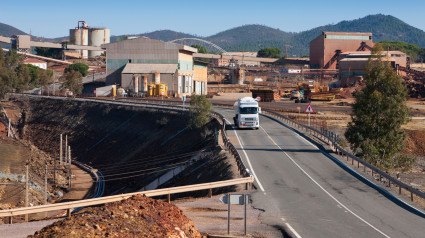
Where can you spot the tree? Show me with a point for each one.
(199, 109)
(55, 53)
(379, 111)
(200, 48)
(39, 76)
(79, 67)
(73, 82)
(270, 52)
(23, 79)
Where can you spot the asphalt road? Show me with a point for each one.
(303, 190)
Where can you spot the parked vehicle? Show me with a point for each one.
(246, 113)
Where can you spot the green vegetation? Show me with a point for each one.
(200, 48)
(415, 52)
(379, 111)
(54, 53)
(199, 109)
(79, 67)
(72, 80)
(270, 52)
(20, 77)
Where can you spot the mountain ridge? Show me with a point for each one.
(254, 37)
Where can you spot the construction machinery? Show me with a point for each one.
(309, 91)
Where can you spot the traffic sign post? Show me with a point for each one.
(183, 99)
(309, 110)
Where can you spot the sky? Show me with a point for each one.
(51, 19)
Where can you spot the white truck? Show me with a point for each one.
(247, 113)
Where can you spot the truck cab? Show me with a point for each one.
(247, 113)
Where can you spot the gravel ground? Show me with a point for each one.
(20, 230)
(210, 217)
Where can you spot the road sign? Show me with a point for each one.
(309, 109)
(162, 93)
(257, 99)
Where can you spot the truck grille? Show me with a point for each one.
(250, 119)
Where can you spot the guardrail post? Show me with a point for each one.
(399, 189)
(68, 212)
(11, 220)
(411, 196)
(210, 193)
(169, 198)
(358, 164)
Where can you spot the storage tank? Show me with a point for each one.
(75, 38)
(84, 41)
(98, 37)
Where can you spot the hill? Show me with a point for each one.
(250, 38)
(164, 35)
(256, 37)
(8, 31)
(383, 28)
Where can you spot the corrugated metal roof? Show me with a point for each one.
(134, 68)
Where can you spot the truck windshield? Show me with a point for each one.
(248, 110)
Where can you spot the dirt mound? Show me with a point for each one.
(138, 216)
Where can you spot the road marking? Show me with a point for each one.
(330, 195)
(292, 229)
(249, 162)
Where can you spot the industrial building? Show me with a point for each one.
(326, 48)
(84, 35)
(135, 64)
(352, 65)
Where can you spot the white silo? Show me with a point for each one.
(98, 37)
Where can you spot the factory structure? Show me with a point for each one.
(84, 35)
(143, 66)
(349, 53)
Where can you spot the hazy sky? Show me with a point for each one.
(49, 18)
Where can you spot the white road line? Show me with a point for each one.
(330, 195)
(249, 162)
(292, 229)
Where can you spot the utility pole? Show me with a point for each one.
(66, 148)
(60, 149)
(26, 190)
(69, 160)
(45, 188)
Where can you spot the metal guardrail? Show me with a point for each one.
(115, 198)
(329, 139)
(248, 179)
(341, 151)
